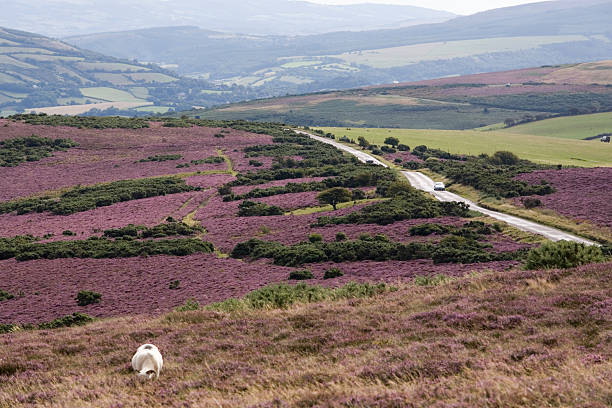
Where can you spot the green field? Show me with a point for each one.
(300, 64)
(153, 109)
(110, 67)
(404, 55)
(541, 149)
(109, 94)
(151, 77)
(569, 127)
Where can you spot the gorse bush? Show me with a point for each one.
(252, 209)
(91, 122)
(531, 202)
(301, 275)
(452, 249)
(32, 148)
(161, 158)
(4, 295)
(563, 254)
(282, 296)
(24, 249)
(87, 297)
(332, 273)
(76, 319)
(80, 199)
(168, 229)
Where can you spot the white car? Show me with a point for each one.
(439, 186)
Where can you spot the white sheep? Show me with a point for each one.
(147, 361)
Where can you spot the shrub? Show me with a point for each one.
(224, 190)
(428, 229)
(333, 273)
(403, 148)
(387, 149)
(392, 141)
(68, 233)
(255, 163)
(250, 209)
(340, 236)
(334, 196)
(219, 135)
(189, 304)
(4, 295)
(175, 284)
(301, 275)
(76, 319)
(315, 238)
(397, 160)
(431, 280)
(87, 297)
(563, 254)
(531, 202)
(504, 157)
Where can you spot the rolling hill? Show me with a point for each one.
(39, 72)
(455, 103)
(262, 17)
(530, 35)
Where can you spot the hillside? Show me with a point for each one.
(40, 72)
(530, 35)
(263, 17)
(449, 103)
(512, 339)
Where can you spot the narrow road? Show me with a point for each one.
(422, 182)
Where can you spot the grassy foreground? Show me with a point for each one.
(540, 149)
(499, 339)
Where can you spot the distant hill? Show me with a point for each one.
(464, 102)
(40, 72)
(555, 32)
(262, 17)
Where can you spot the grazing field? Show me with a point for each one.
(571, 127)
(80, 109)
(411, 54)
(540, 149)
(511, 339)
(110, 94)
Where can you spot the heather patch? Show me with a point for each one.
(580, 193)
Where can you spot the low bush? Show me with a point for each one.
(161, 158)
(341, 236)
(32, 148)
(431, 280)
(315, 238)
(80, 199)
(255, 163)
(188, 305)
(88, 297)
(531, 202)
(301, 275)
(175, 284)
(76, 319)
(4, 295)
(68, 233)
(168, 229)
(252, 209)
(282, 296)
(24, 249)
(333, 273)
(563, 254)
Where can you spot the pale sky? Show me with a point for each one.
(455, 6)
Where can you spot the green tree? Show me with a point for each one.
(334, 196)
(392, 141)
(363, 142)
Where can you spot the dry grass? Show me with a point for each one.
(584, 74)
(499, 339)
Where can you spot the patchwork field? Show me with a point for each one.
(541, 149)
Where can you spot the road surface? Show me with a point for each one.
(422, 182)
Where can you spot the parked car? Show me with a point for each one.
(439, 186)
